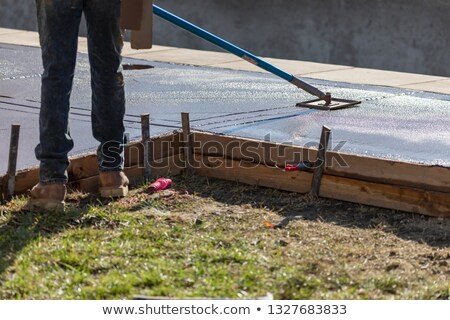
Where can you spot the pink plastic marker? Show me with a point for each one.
(298, 167)
(160, 184)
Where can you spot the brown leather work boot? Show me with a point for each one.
(113, 184)
(48, 196)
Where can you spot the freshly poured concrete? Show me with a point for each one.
(391, 123)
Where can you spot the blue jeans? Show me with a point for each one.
(58, 22)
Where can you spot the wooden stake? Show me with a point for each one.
(145, 134)
(187, 141)
(12, 160)
(320, 161)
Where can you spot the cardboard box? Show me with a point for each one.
(131, 14)
(137, 16)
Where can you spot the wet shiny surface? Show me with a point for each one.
(390, 123)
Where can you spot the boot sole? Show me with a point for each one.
(46, 204)
(119, 192)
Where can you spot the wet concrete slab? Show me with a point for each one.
(391, 123)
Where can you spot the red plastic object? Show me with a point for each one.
(290, 167)
(160, 184)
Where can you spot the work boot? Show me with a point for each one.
(113, 184)
(48, 196)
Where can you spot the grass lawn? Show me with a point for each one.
(210, 238)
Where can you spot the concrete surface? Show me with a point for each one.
(399, 35)
(391, 123)
(228, 61)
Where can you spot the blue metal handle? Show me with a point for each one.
(166, 15)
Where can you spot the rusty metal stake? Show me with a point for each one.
(320, 163)
(145, 136)
(12, 160)
(188, 149)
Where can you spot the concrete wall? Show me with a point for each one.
(18, 14)
(403, 35)
(21, 14)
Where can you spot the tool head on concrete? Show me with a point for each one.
(328, 103)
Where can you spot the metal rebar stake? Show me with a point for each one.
(320, 163)
(145, 136)
(12, 160)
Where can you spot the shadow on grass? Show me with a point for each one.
(432, 231)
(25, 226)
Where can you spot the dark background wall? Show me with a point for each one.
(402, 35)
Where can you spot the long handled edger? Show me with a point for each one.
(325, 101)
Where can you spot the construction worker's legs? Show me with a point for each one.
(105, 44)
(58, 30)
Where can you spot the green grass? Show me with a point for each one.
(208, 239)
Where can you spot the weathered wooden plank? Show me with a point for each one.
(166, 146)
(333, 187)
(378, 182)
(386, 196)
(26, 179)
(85, 165)
(174, 165)
(252, 174)
(425, 177)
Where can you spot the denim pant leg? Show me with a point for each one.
(105, 44)
(58, 31)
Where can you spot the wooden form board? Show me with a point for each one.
(371, 181)
(434, 178)
(85, 166)
(352, 190)
(173, 165)
(252, 174)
